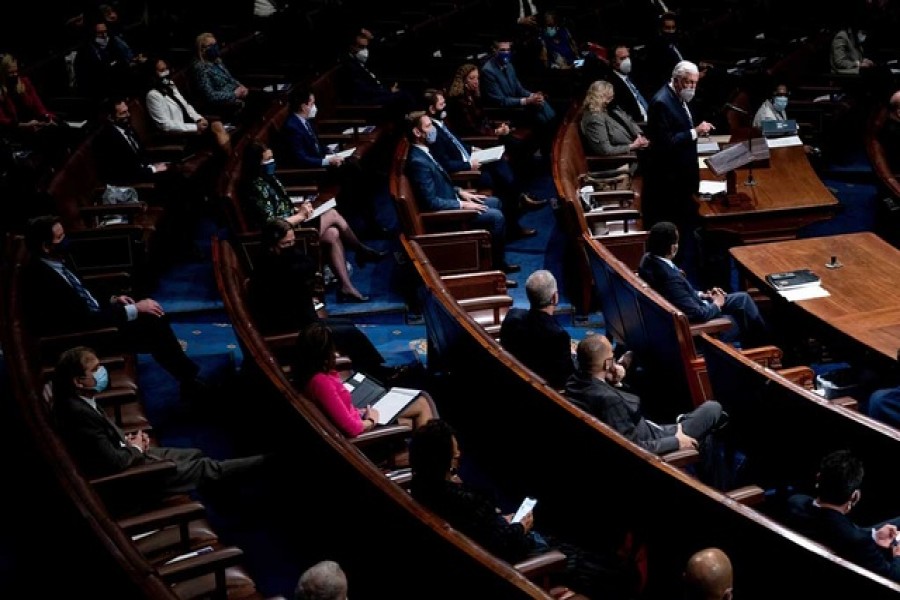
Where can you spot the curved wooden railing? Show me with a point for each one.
(591, 481)
(426, 553)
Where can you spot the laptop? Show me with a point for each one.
(778, 128)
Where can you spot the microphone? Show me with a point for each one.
(730, 106)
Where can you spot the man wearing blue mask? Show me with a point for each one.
(57, 301)
(101, 448)
(435, 190)
(501, 88)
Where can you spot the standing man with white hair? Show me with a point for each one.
(671, 171)
(324, 580)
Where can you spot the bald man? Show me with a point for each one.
(708, 576)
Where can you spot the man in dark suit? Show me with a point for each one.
(825, 518)
(626, 94)
(359, 85)
(535, 337)
(303, 149)
(455, 155)
(658, 270)
(589, 389)
(435, 190)
(57, 301)
(100, 448)
(501, 87)
(121, 157)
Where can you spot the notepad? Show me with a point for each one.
(367, 391)
(486, 155)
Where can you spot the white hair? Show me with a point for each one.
(683, 68)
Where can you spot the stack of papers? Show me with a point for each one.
(487, 155)
(784, 142)
(706, 146)
(804, 293)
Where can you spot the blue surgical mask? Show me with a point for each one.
(269, 167)
(780, 103)
(551, 31)
(431, 135)
(212, 53)
(101, 379)
(504, 56)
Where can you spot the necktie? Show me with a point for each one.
(313, 134)
(462, 149)
(440, 168)
(637, 96)
(82, 291)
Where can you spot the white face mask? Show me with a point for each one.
(861, 36)
(687, 94)
(163, 74)
(362, 55)
(625, 66)
(313, 112)
(102, 41)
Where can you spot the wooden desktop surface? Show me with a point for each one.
(864, 303)
(788, 196)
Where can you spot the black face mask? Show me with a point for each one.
(123, 123)
(60, 250)
(12, 81)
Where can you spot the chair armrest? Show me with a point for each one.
(681, 458)
(216, 561)
(623, 197)
(712, 327)
(608, 159)
(847, 402)
(380, 434)
(749, 495)
(485, 303)
(301, 190)
(179, 514)
(465, 176)
(552, 561)
(767, 356)
(447, 216)
(805, 377)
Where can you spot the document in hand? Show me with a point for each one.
(526, 507)
(366, 391)
(325, 206)
(346, 153)
(486, 155)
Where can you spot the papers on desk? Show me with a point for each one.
(784, 142)
(361, 129)
(706, 146)
(804, 293)
(711, 188)
(486, 155)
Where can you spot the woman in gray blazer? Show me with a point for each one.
(605, 129)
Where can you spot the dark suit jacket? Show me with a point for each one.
(359, 85)
(118, 162)
(304, 147)
(674, 287)
(624, 99)
(539, 341)
(671, 173)
(97, 445)
(618, 409)
(445, 152)
(501, 86)
(433, 186)
(842, 536)
(53, 306)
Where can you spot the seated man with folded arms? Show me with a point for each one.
(589, 388)
(826, 519)
(535, 337)
(435, 190)
(100, 448)
(658, 270)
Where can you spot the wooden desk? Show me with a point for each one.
(788, 195)
(864, 304)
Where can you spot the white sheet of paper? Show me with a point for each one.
(76, 124)
(362, 129)
(345, 153)
(705, 146)
(784, 142)
(807, 292)
(389, 405)
(712, 187)
(486, 155)
(526, 507)
(327, 205)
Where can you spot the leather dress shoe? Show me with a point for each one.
(526, 202)
(508, 268)
(521, 232)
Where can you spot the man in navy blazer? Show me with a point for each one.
(658, 270)
(455, 155)
(435, 190)
(825, 518)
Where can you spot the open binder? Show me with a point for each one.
(368, 391)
